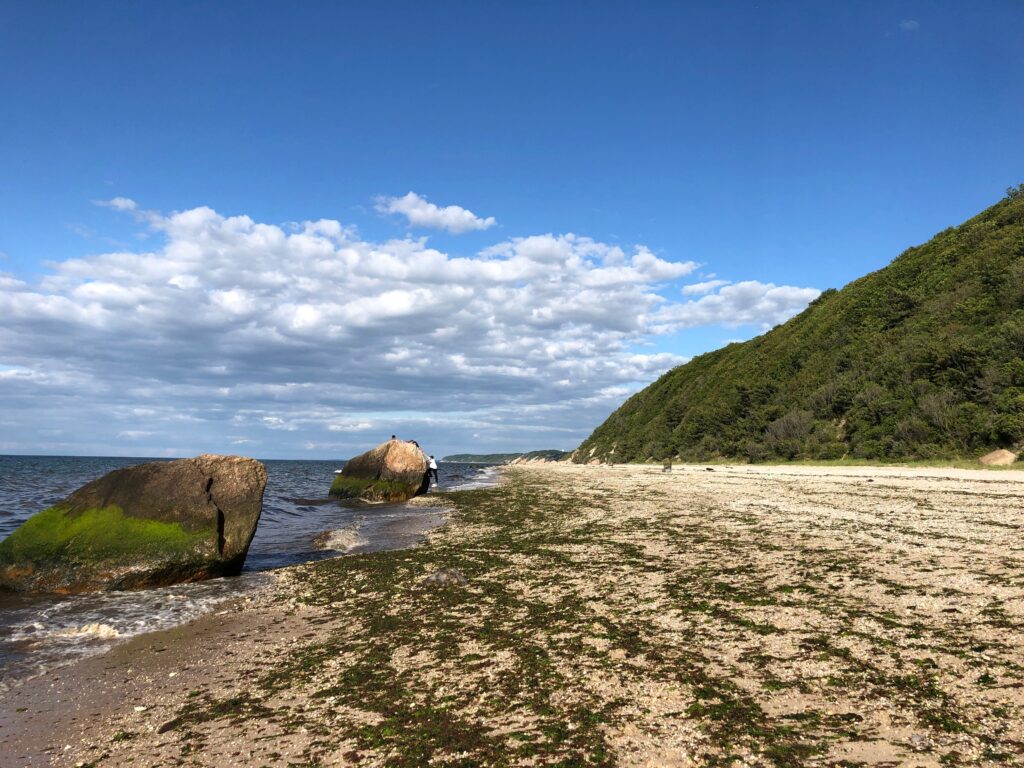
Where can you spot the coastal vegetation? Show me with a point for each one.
(923, 359)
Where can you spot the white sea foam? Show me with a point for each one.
(485, 478)
(95, 629)
(48, 634)
(343, 540)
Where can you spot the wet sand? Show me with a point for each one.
(612, 615)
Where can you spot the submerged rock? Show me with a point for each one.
(393, 471)
(149, 525)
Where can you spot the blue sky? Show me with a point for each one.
(782, 147)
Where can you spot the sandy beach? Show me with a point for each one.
(609, 615)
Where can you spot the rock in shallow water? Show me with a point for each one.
(393, 471)
(144, 526)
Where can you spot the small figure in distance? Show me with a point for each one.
(432, 470)
(414, 443)
(393, 437)
(667, 466)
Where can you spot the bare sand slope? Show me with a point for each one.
(611, 615)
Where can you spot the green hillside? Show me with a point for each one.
(919, 360)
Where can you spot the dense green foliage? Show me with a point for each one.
(548, 455)
(922, 359)
(96, 535)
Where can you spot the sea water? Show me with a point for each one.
(299, 523)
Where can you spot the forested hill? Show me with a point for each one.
(921, 359)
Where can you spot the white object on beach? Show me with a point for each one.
(338, 471)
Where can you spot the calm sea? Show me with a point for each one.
(299, 523)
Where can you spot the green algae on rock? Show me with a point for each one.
(150, 525)
(393, 471)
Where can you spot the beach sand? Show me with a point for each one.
(746, 615)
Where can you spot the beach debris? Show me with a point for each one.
(148, 525)
(445, 576)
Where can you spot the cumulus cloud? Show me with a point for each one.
(699, 289)
(909, 25)
(421, 213)
(745, 303)
(233, 331)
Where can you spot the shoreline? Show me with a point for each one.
(151, 670)
(45, 633)
(788, 615)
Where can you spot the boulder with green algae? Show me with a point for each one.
(149, 525)
(393, 471)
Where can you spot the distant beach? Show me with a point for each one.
(771, 615)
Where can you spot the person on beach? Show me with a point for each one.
(432, 469)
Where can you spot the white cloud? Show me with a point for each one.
(133, 434)
(421, 213)
(118, 204)
(746, 303)
(342, 426)
(232, 330)
(909, 25)
(699, 289)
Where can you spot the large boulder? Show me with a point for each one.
(393, 471)
(149, 525)
(1000, 458)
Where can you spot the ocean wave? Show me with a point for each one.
(485, 478)
(95, 629)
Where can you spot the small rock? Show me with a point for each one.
(140, 709)
(1000, 458)
(445, 576)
